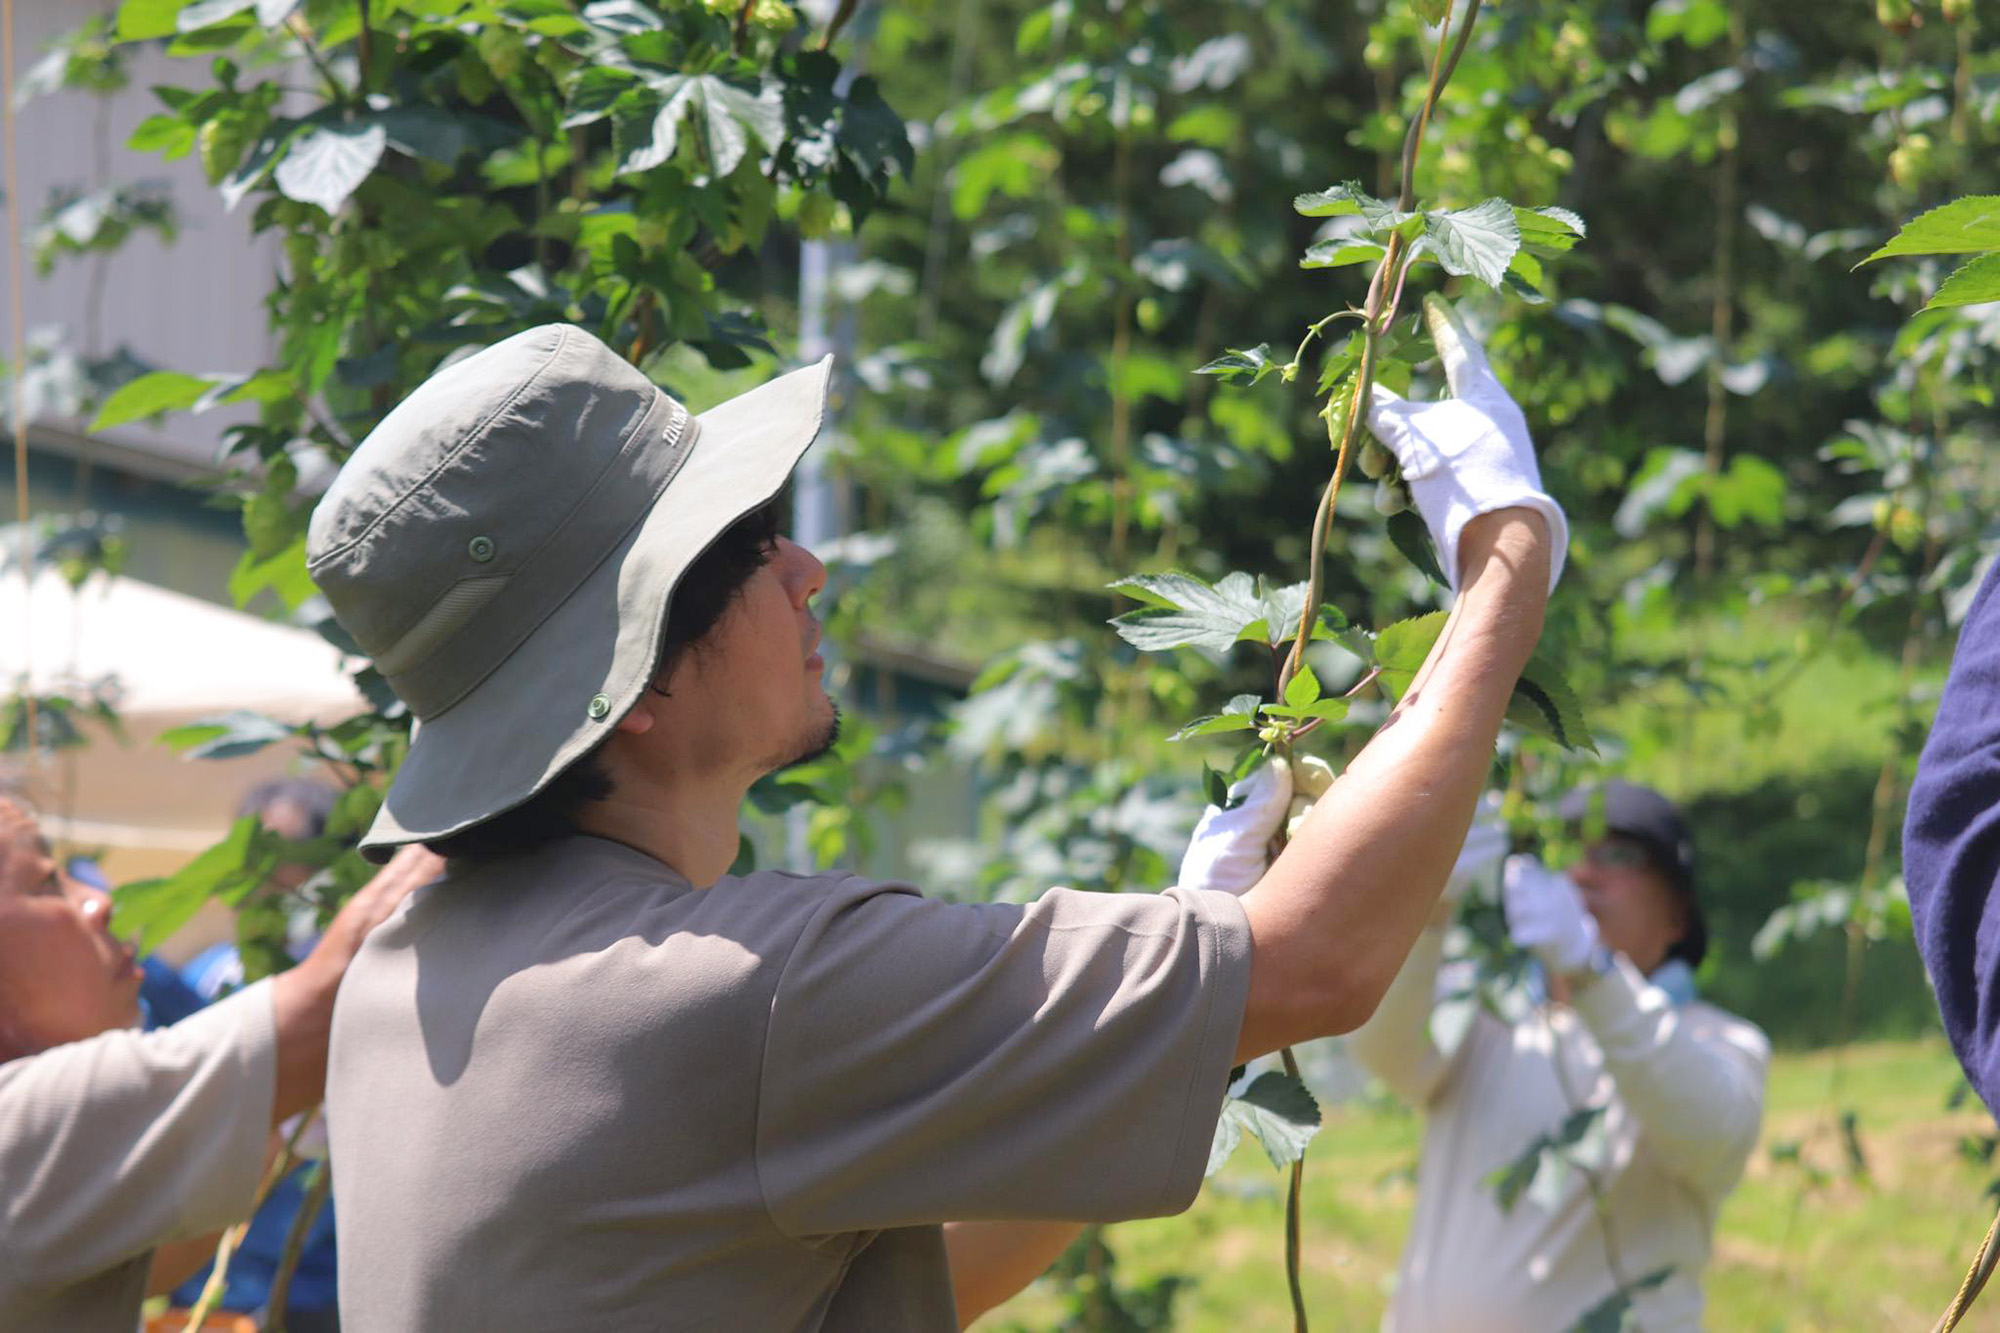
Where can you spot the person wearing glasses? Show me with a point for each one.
(1652, 1092)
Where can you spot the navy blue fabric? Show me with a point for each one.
(256, 1260)
(167, 998)
(1951, 847)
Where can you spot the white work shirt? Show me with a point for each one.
(113, 1146)
(1683, 1089)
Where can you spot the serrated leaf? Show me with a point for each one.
(1400, 649)
(1239, 714)
(149, 396)
(1282, 609)
(1191, 613)
(1302, 689)
(1476, 242)
(1961, 227)
(1431, 12)
(1549, 228)
(327, 163)
(1328, 710)
(1349, 198)
(1243, 366)
(1340, 251)
(727, 119)
(1973, 283)
(1277, 1110)
(1544, 702)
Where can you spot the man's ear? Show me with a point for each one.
(639, 719)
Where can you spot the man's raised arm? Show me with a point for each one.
(1337, 913)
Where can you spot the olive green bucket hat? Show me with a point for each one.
(504, 546)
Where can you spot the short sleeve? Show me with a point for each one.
(930, 1062)
(111, 1146)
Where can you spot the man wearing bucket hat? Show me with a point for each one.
(1616, 1026)
(590, 1080)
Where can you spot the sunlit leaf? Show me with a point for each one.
(1973, 283)
(1243, 366)
(1961, 227)
(1475, 242)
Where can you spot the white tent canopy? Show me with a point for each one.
(168, 652)
(173, 658)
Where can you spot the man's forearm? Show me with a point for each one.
(1336, 915)
(302, 1012)
(991, 1261)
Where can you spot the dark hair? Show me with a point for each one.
(708, 588)
(315, 800)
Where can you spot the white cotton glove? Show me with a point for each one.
(1469, 454)
(1486, 845)
(1546, 915)
(1229, 850)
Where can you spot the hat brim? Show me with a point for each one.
(530, 719)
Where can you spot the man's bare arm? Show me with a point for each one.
(302, 996)
(992, 1261)
(1337, 913)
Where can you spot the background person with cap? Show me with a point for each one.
(121, 1149)
(591, 1080)
(1618, 1026)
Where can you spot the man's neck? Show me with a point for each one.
(692, 830)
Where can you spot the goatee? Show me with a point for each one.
(817, 744)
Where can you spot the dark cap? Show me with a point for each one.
(1653, 821)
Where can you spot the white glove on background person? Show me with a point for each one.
(1469, 454)
(1486, 845)
(1229, 850)
(1546, 915)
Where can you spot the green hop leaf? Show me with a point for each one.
(1961, 227)
(1278, 1110)
(1243, 366)
(1349, 198)
(1476, 242)
(1971, 284)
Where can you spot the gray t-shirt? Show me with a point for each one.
(569, 1091)
(113, 1146)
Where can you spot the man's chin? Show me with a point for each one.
(817, 742)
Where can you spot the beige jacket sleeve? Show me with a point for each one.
(111, 1146)
(1693, 1078)
(1395, 1045)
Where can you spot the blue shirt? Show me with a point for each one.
(1951, 847)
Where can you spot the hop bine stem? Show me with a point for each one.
(1376, 316)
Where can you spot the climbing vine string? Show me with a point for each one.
(1495, 244)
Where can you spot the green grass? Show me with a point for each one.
(1790, 1254)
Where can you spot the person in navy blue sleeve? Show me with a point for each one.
(1951, 848)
